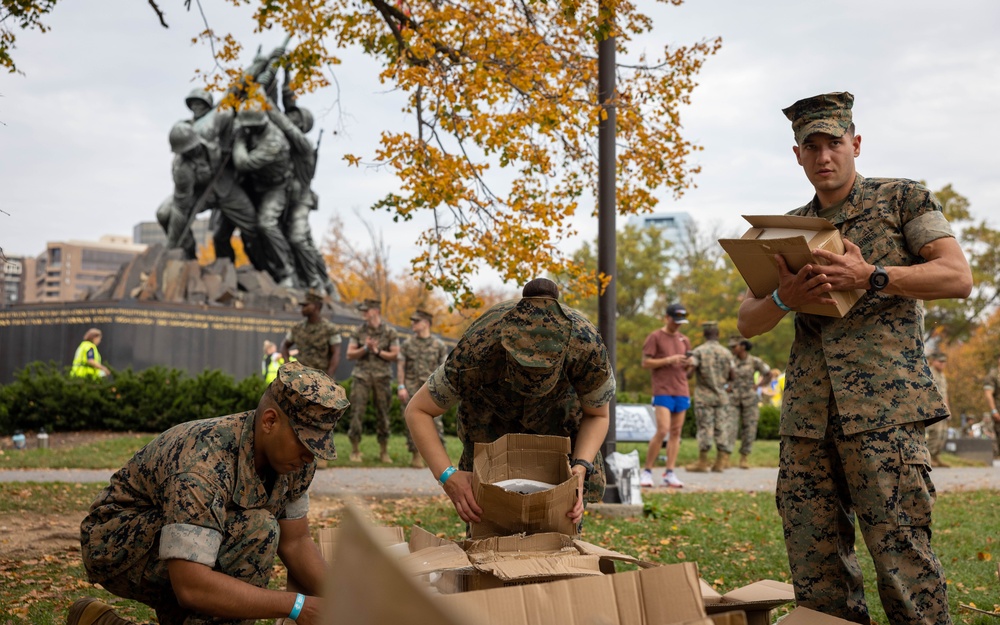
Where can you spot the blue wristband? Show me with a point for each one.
(300, 600)
(446, 474)
(777, 301)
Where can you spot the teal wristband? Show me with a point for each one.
(777, 301)
(300, 601)
(446, 474)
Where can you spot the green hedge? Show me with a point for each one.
(152, 400)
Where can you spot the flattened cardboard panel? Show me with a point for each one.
(385, 536)
(764, 591)
(363, 575)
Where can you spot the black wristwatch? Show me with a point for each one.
(583, 463)
(878, 280)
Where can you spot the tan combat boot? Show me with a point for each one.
(384, 455)
(744, 461)
(702, 465)
(355, 453)
(90, 611)
(417, 462)
(721, 462)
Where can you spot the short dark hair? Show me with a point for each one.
(747, 345)
(540, 287)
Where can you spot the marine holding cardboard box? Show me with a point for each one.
(858, 390)
(530, 366)
(191, 524)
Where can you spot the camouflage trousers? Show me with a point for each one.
(247, 554)
(882, 477)
(937, 434)
(747, 414)
(716, 425)
(363, 389)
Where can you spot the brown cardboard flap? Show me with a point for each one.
(565, 566)
(432, 559)
(708, 594)
(764, 591)
(362, 575)
(384, 536)
(795, 222)
(632, 598)
(737, 617)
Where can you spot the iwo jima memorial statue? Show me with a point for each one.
(252, 170)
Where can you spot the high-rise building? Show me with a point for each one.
(675, 226)
(68, 271)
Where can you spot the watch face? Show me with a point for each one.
(879, 279)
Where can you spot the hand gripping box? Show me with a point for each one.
(794, 238)
(526, 457)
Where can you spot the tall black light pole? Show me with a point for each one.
(606, 244)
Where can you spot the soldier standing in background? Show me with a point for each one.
(937, 433)
(374, 347)
(317, 340)
(419, 356)
(992, 421)
(712, 365)
(858, 392)
(743, 395)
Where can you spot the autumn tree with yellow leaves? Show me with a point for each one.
(501, 150)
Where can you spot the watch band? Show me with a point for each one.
(588, 466)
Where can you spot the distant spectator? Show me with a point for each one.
(87, 360)
(272, 360)
(743, 394)
(318, 340)
(374, 346)
(992, 422)
(419, 356)
(712, 365)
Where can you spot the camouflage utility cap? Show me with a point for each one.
(829, 113)
(313, 403)
(313, 297)
(939, 357)
(709, 325)
(421, 315)
(535, 335)
(368, 304)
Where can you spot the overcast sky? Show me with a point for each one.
(83, 134)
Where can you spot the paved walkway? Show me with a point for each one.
(391, 483)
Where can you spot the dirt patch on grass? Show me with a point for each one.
(29, 536)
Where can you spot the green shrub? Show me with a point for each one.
(767, 427)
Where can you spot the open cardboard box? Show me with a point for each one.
(523, 456)
(498, 561)
(793, 238)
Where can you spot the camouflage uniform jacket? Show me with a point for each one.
(172, 498)
(369, 366)
(265, 157)
(872, 360)
(992, 383)
(420, 358)
(742, 385)
(474, 376)
(713, 365)
(314, 341)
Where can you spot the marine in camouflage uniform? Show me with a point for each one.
(743, 395)
(317, 340)
(858, 389)
(419, 356)
(374, 346)
(712, 366)
(937, 433)
(528, 366)
(991, 422)
(206, 492)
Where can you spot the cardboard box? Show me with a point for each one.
(523, 456)
(805, 616)
(501, 561)
(756, 599)
(793, 238)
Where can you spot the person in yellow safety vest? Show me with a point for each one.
(87, 360)
(272, 361)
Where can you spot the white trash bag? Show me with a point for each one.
(625, 468)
